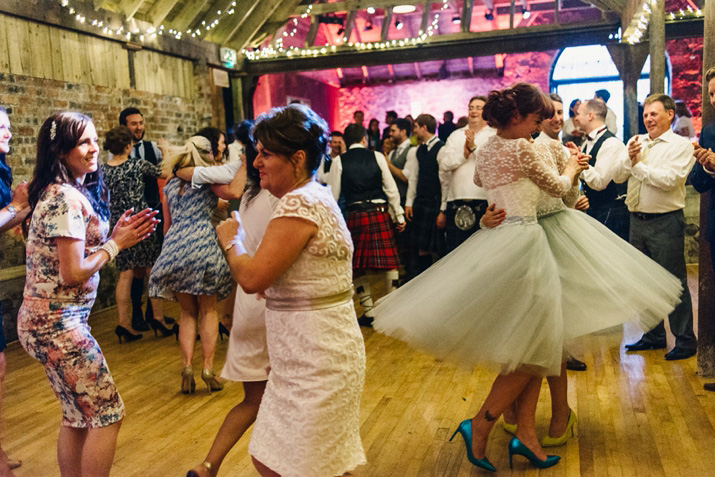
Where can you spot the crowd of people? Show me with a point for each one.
(589, 229)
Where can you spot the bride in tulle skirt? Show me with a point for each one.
(501, 298)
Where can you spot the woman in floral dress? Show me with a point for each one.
(65, 249)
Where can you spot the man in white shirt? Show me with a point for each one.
(611, 122)
(606, 198)
(463, 202)
(656, 166)
(337, 147)
(371, 196)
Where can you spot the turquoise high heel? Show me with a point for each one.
(465, 429)
(516, 447)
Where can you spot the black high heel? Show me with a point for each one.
(156, 325)
(128, 336)
(175, 330)
(222, 330)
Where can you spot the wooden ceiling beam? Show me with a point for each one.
(466, 20)
(130, 7)
(250, 31)
(346, 6)
(386, 21)
(312, 32)
(427, 9)
(457, 45)
(188, 13)
(210, 14)
(350, 24)
(242, 10)
(279, 17)
(158, 12)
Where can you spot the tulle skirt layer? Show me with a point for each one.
(508, 297)
(494, 301)
(605, 281)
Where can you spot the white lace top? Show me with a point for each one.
(557, 159)
(514, 172)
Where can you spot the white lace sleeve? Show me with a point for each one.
(561, 157)
(302, 206)
(540, 172)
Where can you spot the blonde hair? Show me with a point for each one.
(196, 151)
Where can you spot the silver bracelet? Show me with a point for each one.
(112, 249)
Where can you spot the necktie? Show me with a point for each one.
(136, 154)
(634, 185)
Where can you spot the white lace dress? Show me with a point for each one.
(308, 423)
(605, 281)
(497, 299)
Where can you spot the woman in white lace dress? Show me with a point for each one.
(308, 421)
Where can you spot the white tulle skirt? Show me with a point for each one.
(509, 296)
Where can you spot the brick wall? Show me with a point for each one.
(30, 101)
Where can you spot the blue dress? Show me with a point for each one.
(191, 260)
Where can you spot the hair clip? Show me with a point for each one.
(53, 131)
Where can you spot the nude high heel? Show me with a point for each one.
(188, 385)
(209, 378)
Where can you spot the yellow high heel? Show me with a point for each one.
(188, 385)
(209, 378)
(568, 433)
(510, 428)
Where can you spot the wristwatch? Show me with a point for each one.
(12, 209)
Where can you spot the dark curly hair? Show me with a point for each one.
(293, 128)
(116, 140)
(214, 135)
(59, 134)
(521, 98)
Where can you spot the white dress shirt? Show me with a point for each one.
(456, 174)
(412, 170)
(611, 122)
(663, 174)
(388, 183)
(601, 174)
(222, 174)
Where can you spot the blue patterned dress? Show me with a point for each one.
(191, 260)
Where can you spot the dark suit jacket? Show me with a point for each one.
(703, 182)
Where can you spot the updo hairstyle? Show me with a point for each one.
(116, 140)
(521, 98)
(290, 129)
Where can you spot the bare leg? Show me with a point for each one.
(69, 450)
(263, 470)
(98, 451)
(510, 414)
(558, 387)
(227, 309)
(209, 328)
(505, 389)
(124, 300)
(187, 325)
(237, 421)
(526, 416)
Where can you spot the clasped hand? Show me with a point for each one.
(706, 157)
(132, 229)
(231, 231)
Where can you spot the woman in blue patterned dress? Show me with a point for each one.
(65, 249)
(191, 268)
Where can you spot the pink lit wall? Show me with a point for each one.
(437, 96)
(277, 89)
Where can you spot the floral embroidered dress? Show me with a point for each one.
(52, 321)
(308, 424)
(126, 185)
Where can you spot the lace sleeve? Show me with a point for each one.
(298, 205)
(561, 156)
(540, 172)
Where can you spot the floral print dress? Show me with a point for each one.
(52, 321)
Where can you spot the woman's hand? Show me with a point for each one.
(132, 229)
(231, 231)
(582, 203)
(576, 164)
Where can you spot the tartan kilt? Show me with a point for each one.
(425, 234)
(373, 240)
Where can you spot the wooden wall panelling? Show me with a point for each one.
(39, 44)
(97, 62)
(85, 43)
(55, 45)
(27, 61)
(14, 51)
(4, 46)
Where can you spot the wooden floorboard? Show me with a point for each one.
(639, 415)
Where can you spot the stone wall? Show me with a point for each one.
(30, 101)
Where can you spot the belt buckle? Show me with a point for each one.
(465, 218)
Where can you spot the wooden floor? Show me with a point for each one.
(639, 415)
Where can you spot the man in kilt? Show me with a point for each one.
(424, 193)
(364, 180)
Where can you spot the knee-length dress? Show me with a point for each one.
(191, 260)
(308, 423)
(52, 321)
(247, 355)
(126, 185)
(509, 296)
